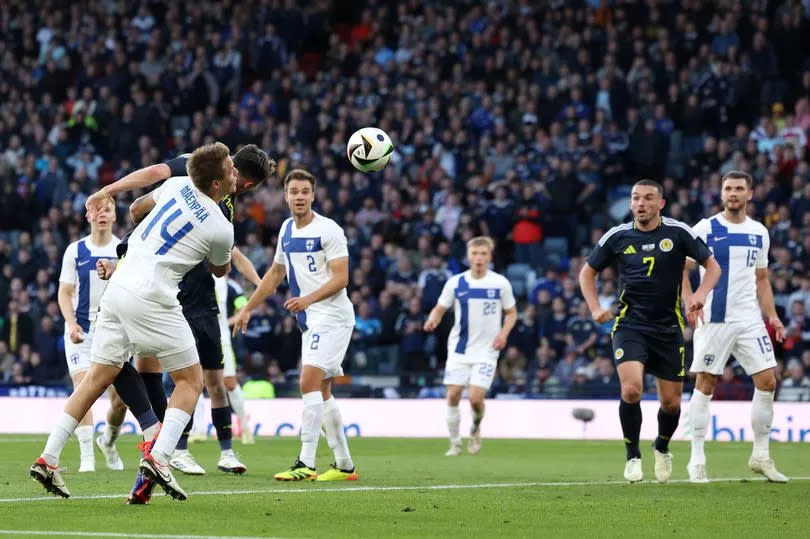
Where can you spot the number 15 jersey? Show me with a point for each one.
(185, 227)
(479, 305)
(740, 249)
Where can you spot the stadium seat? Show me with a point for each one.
(522, 278)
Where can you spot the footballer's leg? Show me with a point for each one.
(477, 395)
(669, 413)
(185, 370)
(699, 420)
(221, 418)
(630, 354)
(761, 420)
(343, 468)
(303, 469)
(454, 392)
(46, 468)
(481, 380)
(106, 442)
(84, 432)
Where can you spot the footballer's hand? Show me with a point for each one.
(430, 324)
(692, 317)
(696, 301)
(241, 321)
(296, 305)
(778, 328)
(601, 316)
(500, 341)
(76, 334)
(94, 203)
(104, 268)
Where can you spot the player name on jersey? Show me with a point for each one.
(194, 205)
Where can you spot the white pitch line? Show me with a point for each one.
(50, 533)
(386, 489)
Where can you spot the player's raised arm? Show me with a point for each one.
(139, 179)
(244, 266)
(267, 286)
(142, 205)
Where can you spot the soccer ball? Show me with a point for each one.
(369, 149)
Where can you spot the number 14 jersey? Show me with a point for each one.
(185, 227)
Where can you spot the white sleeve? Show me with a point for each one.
(279, 257)
(701, 230)
(157, 191)
(762, 258)
(221, 246)
(335, 244)
(447, 296)
(507, 296)
(68, 273)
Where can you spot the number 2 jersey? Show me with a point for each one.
(185, 227)
(479, 306)
(740, 249)
(650, 266)
(306, 252)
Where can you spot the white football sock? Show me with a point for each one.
(173, 424)
(311, 422)
(60, 433)
(238, 405)
(699, 419)
(335, 435)
(761, 420)
(151, 432)
(453, 422)
(110, 434)
(200, 421)
(84, 433)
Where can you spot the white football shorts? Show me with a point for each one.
(464, 373)
(748, 341)
(78, 355)
(127, 325)
(326, 349)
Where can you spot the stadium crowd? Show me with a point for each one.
(523, 120)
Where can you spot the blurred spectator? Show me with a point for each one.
(729, 387)
(18, 328)
(797, 386)
(512, 367)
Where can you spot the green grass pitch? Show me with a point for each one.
(408, 488)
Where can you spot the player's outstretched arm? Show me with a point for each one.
(339, 267)
(143, 177)
(765, 296)
(710, 278)
(587, 283)
(434, 318)
(267, 286)
(141, 207)
(244, 266)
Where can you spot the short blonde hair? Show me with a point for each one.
(479, 241)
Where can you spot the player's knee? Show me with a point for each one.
(230, 383)
(706, 383)
(766, 383)
(671, 404)
(631, 393)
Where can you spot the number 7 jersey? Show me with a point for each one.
(185, 227)
(740, 249)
